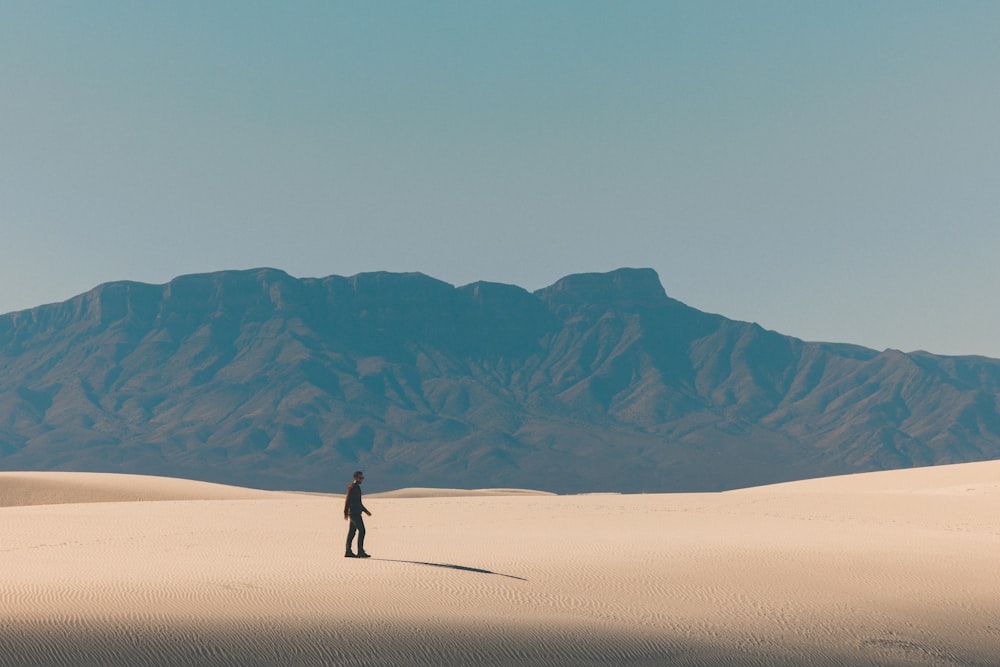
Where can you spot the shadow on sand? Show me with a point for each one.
(463, 568)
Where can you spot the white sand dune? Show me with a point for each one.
(419, 492)
(895, 568)
(60, 488)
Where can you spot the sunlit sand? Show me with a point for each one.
(895, 568)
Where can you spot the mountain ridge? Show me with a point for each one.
(599, 382)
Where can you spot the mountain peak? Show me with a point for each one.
(627, 287)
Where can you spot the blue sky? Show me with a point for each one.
(830, 170)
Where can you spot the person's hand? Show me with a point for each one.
(346, 517)
(368, 513)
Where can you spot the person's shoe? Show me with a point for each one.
(362, 554)
(350, 554)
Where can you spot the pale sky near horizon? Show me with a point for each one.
(830, 170)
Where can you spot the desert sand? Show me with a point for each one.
(893, 568)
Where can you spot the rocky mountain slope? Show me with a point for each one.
(600, 382)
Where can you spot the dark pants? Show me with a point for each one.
(357, 526)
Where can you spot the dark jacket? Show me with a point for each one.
(352, 504)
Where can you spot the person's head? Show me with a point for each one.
(358, 476)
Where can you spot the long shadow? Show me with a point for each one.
(449, 566)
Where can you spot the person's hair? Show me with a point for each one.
(358, 473)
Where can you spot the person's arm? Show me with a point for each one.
(347, 502)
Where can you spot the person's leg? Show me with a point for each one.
(359, 523)
(350, 536)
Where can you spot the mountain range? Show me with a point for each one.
(600, 382)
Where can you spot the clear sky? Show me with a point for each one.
(830, 170)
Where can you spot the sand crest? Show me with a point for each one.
(418, 492)
(886, 569)
(60, 488)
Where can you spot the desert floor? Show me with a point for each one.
(893, 568)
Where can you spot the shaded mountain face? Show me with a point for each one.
(600, 382)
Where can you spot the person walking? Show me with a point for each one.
(353, 509)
